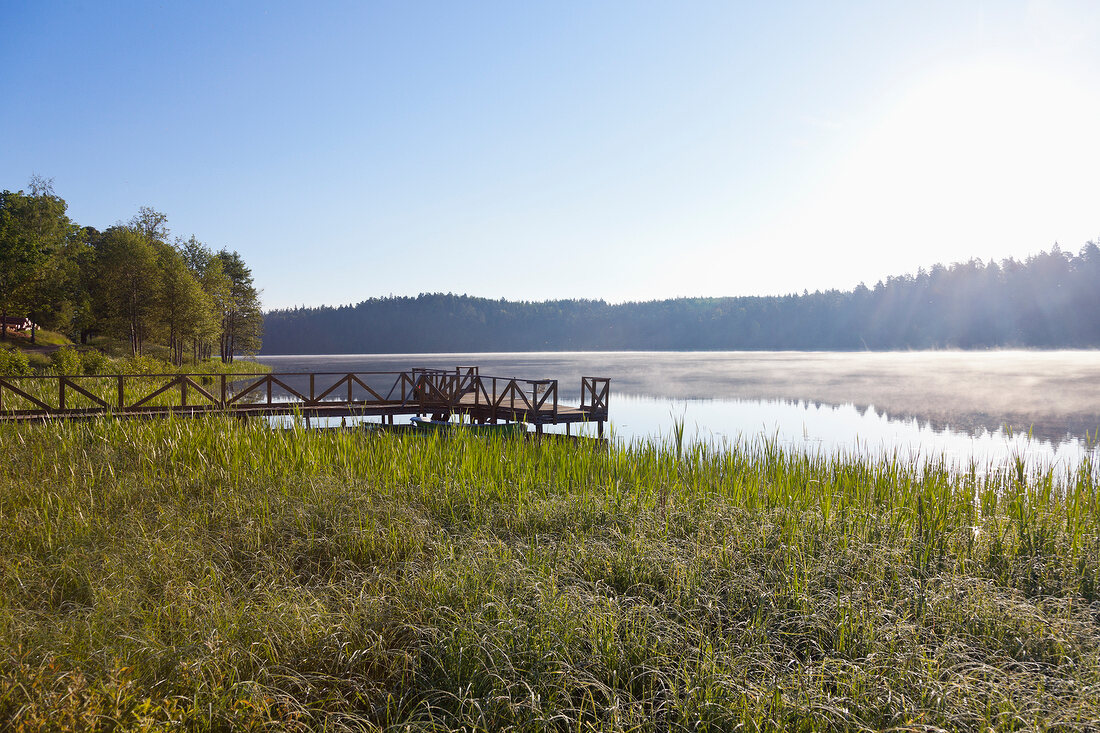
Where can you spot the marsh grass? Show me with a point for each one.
(217, 574)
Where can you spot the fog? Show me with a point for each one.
(1054, 393)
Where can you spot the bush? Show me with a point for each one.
(66, 361)
(96, 362)
(146, 365)
(14, 363)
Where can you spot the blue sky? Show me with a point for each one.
(622, 151)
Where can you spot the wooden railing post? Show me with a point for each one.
(312, 392)
(121, 393)
(269, 389)
(183, 390)
(225, 395)
(61, 393)
(348, 377)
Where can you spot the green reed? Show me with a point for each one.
(219, 574)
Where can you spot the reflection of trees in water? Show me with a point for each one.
(1055, 394)
(1054, 429)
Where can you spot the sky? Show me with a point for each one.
(531, 151)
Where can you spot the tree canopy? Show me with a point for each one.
(129, 281)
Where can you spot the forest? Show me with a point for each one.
(1048, 300)
(129, 282)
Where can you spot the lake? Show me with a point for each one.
(982, 406)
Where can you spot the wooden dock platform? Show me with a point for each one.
(432, 392)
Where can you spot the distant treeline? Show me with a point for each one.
(1050, 300)
(129, 281)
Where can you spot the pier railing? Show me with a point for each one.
(595, 394)
(412, 391)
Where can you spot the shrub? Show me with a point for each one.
(66, 361)
(14, 363)
(143, 364)
(96, 362)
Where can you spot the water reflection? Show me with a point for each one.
(837, 429)
(978, 405)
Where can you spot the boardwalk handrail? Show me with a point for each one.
(414, 390)
(595, 394)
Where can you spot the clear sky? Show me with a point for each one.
(624, 151)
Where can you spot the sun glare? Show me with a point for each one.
(986, 160)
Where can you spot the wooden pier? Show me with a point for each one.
(433, 392)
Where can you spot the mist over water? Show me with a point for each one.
(965, 406)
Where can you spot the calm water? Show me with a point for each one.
(963, 405)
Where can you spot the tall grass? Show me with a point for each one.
(217, 574)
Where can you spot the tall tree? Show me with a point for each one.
(34, 241)
(34, 230)
(185, 311)
(20, 253)
(151, 224)
(87, 317)
(241, 317)
(129, 278)
(216, 285)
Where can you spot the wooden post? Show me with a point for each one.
(312, 376)
(61, 393)
(601, 429)
(349, 388)
(121, 394)
(269, 389)
(567, 426)
(223, 391)
(183, 391)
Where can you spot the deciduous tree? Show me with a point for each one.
(129, 278)
(241, 317)
(34, 230)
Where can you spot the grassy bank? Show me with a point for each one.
(216, 574)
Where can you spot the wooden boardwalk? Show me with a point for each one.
(432, 392)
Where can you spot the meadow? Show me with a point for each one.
(215, 574)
